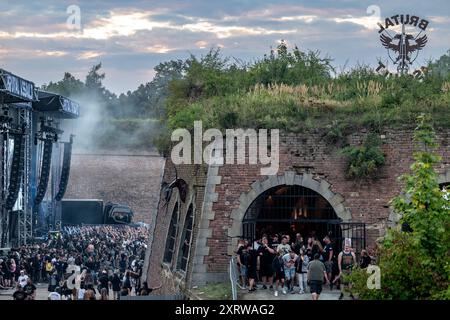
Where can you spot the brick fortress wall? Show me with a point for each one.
(366, 201)
(126, 178)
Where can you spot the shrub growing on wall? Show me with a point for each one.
(416, 264)
(364, 161)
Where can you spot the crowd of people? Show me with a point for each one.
(278, 262)
(81, 262)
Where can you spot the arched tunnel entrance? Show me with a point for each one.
(291, 209)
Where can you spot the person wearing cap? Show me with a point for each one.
(23, 278)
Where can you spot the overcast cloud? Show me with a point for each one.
(131, 37)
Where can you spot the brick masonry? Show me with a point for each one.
(127, 178)
(221, 195)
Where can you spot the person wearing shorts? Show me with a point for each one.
(266, 255)
(316, 274)
(278, 268)
(327, 257)
(289, 260)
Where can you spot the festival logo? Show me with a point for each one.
(403, 36)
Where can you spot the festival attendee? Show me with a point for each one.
(48, 268)
(298, 244)
(316, 274)
(103, 281)
(81, 291)
(346, 261)
(365, 260)
(23, 278)
(19, 294)
(289, 261)
(278, 268)
(12, 271)
(30, 290)
(244, 262)
(49, 260)
(266, 255)
(275, 242)
(284, 246)
(316, 248)
(53, 281)
(302, 270)
(2, 275)
(116, 285)
(252, 262)
(145, 290)
(327, 257)
(104, 294)
(54, 295)
(89, 294)
(124, 292)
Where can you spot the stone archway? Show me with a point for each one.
(306, 180)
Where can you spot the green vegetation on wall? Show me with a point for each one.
(363, 162)
(415, 264)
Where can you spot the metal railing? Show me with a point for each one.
(234, 277)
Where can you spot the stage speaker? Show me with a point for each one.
(16, 173)
(45, 171)
(65, 171)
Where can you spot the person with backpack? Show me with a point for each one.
(346, 261)
(278, 268)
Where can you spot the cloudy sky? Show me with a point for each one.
(131, 37)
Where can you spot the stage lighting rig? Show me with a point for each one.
(7, 125)
(5, 120)
(47, 132)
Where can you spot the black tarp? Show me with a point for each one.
(58, 105)
(14, 89)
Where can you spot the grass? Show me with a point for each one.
(299, 108)
(214, 291)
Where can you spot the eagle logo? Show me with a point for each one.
(403, 48)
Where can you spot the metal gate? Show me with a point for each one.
(355, 231)
(338, 231)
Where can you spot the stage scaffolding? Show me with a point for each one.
(27, 116)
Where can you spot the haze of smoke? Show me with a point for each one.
(95, 131)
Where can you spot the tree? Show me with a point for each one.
(69, 86)
(94, 79)
(416, 264)
(441, 67)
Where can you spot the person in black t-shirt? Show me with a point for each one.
(327, 258)
(19, 294)
(251, 260)
(103, 281)
(298, 244)
(116, 284)
(30, 290)
(266, 255)
(365, 259)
